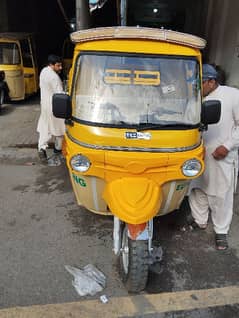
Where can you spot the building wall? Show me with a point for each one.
(43, 18)
(215, 20)
(223, 38)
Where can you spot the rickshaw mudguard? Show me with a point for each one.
(133, 200)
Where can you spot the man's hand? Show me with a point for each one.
(220, 153)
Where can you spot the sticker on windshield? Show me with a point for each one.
(137, 135)
(168, 89)
(132, 77)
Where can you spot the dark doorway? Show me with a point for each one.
(183, 16)
(44, 19)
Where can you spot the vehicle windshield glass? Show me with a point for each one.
(137, 89)
(9, 54)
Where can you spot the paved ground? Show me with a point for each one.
(42, 230)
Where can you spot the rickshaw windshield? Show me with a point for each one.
(134, 90)
(9, 54)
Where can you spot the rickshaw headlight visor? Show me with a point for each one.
(80, 163)
(191, 168)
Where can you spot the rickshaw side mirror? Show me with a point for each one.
(61, 106)
(211, 112)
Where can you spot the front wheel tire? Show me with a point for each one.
(134, 262)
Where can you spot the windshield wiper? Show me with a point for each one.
(150, 126)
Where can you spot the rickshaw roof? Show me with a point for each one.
(14, 35)
(110, 33)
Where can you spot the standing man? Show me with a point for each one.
(214, 189)
(48, 124)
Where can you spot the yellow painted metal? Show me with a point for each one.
(88, 190)
(133, 200)
(15, 80)
(116, 137)
(136, 46)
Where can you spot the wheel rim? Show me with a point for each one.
(125, 250)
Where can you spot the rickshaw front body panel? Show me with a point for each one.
(163, 168)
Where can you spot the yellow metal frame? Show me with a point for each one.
(132, 46)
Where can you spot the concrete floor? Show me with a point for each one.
(42, 229)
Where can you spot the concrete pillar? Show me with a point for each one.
(82, 14)
(3, 16)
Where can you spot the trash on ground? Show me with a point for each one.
(54, 161)
(87, 281)
(156, 255)
(104, 299)
(30, 164)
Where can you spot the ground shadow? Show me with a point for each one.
(190, 260)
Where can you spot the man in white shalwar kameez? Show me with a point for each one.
(48, 125)
(215, 188)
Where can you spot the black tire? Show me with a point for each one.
(2, 97)
(134, 272)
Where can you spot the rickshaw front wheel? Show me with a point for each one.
(134, 262)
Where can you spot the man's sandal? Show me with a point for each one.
(221, 242)
(192, 226)
(196, 226)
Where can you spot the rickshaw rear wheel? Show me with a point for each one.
(2, 97)
(134, 262)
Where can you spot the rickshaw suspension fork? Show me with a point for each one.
(138, 232)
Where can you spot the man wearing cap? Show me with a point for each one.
(214, 189)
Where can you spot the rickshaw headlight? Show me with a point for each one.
(191, 167)
(80, 163)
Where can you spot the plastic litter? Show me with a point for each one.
(30, 164)
(87, 281)
(156, 255)
(54, 161)
(104, 299)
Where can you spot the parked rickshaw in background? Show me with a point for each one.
(18, 66)
(3, 89)
(133, 141)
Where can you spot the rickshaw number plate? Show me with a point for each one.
(137, 135)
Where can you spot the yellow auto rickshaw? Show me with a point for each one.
(18, 66)
(133, 142)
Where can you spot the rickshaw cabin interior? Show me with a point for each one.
(216, 21)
